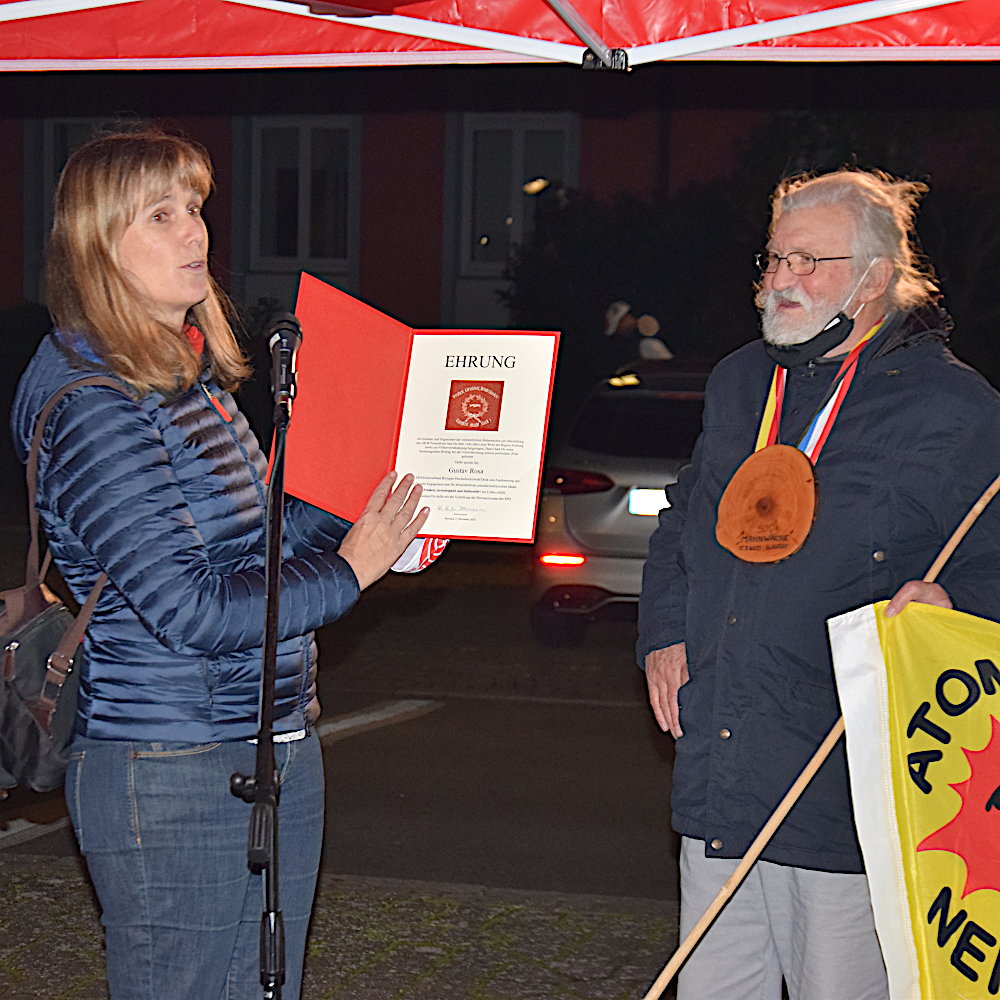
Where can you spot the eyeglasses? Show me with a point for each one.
(799, 262)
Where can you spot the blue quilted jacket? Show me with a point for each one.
(166, 496)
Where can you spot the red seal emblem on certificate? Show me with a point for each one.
(474, 406)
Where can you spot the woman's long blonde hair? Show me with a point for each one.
(102, 187)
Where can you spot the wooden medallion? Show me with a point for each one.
(768, 508)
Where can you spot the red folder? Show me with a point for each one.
(353, 365)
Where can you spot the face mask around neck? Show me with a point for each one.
(832, 335)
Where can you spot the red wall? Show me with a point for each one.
(12, 212)
(402, 173)
(620, 155)
(705, 144)
(215, 134)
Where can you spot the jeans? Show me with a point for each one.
(165, 844)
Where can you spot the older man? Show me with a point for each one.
(901, 439)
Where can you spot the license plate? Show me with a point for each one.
(646, 503)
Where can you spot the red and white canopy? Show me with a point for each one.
(228, 34)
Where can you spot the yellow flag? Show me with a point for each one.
(921, 700)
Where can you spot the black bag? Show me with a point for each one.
(39, 641)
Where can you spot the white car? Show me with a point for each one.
(603, 489)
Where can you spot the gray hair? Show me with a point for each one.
(884, 209)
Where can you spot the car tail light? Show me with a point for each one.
(561, 559)
(577, 481)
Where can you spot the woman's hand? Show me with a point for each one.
(384, 529)
(920, 591)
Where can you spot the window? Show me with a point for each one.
(48, 143)
(305, 194)
(510, 163)
(61, 138)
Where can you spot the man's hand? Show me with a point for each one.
(666, 671)
(920, 591)
(384, 529)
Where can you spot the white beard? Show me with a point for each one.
(799, 325)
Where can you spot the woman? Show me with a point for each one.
(160, 486)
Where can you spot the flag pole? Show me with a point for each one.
(808, 773)
(959, 533)
(734, 880)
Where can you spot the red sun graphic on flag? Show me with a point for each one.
(974, 833)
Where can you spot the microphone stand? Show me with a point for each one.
(262, 789)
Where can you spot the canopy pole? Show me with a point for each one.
(575, 21)
(439, 31)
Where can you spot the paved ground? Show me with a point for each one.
(372, 939)
(390, 939)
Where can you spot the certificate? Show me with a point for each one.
(466, 411)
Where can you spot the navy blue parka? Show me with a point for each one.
(916, 443)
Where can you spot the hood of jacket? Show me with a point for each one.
(907, 328)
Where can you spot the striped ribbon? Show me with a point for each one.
(822, 423)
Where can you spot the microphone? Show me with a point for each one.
(284, 339)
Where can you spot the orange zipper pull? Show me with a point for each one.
(218, 406)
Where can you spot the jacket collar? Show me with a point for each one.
(78, 347)
(902, 329)
(928, 323)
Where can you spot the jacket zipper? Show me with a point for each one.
(218, 406)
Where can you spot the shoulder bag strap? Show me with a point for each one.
(32, 577)
(61, 661)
